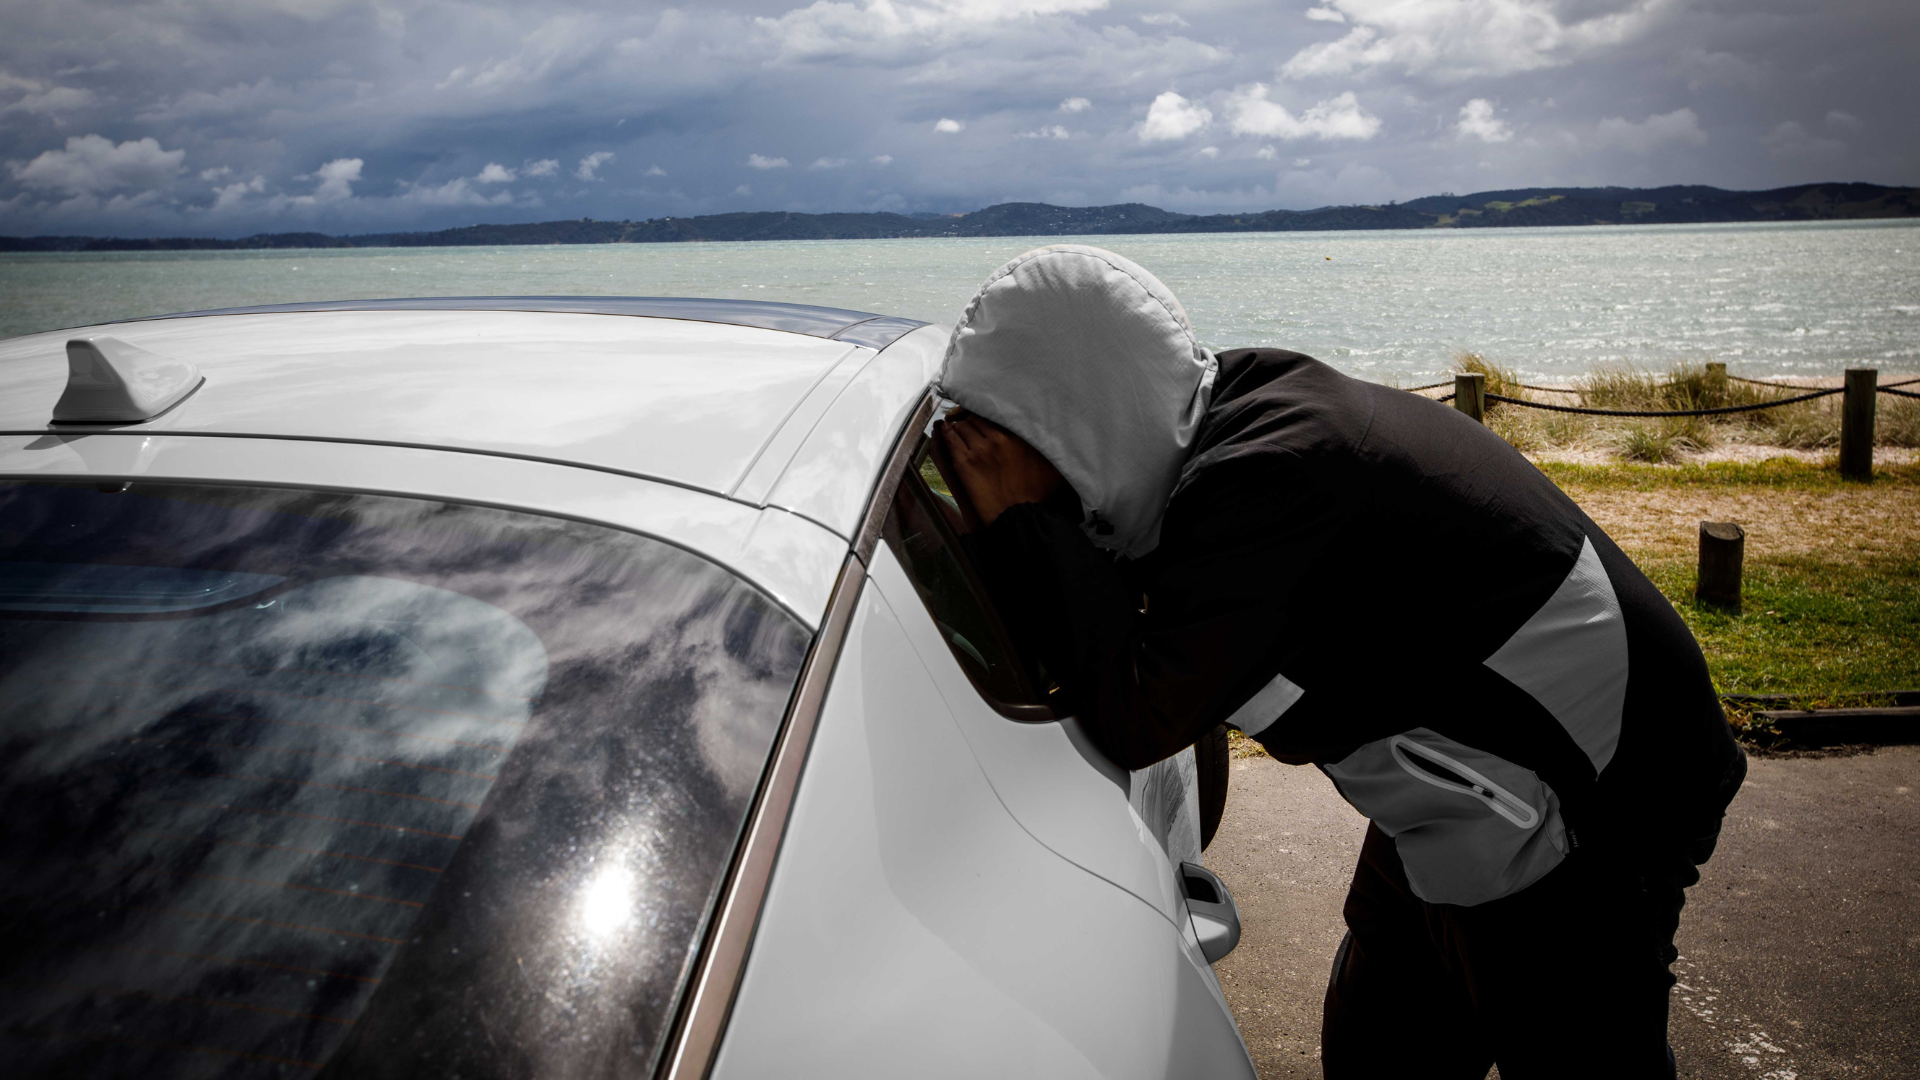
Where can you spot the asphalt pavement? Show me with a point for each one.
(1800, 947)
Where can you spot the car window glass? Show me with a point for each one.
(300, 781)
(923, 531)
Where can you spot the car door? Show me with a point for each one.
(913, 928)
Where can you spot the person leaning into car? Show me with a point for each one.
(1367, 581)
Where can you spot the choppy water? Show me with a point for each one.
(1803, 299)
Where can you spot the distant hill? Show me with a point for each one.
(1486, 209)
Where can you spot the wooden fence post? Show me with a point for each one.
(1722, 549)
(1856, 423)
(1470, 395)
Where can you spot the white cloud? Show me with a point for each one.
(1841, 120)
(335, 185)
(1075, 104)
(215, 173)
(1324, 14)
(1209, 152)
(1338, 117)
(1164, 18)
(1478, 122)
(743, 190)
(92, 163)
(830, 163)
(654, 170)
(1458, 39)
(1678, 126)
(881, 160)
(1790, 140)
(232, 195)
(543, 167)
(1173, 117)
(831, 29)
(759, 161)
(455, 192)
(495, 174)
(589, 168)
(53, 102)
(1302, 162)
(1051, 131)
(946, 126)
(1266, 153)
(337, 178)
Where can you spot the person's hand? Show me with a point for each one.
(996, 468)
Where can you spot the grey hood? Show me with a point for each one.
(1091, 360)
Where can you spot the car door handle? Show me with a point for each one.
(1216, 918)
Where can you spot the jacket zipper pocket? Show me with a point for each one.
(1436, 768)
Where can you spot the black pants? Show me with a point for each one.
(1567, 978)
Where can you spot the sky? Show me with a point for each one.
(232, 117)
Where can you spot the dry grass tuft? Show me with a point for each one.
(1805, 426)
(1898, 422)
(1502, 381)
(1239, 746)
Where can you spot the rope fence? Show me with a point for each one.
(1721, 411)
(1856, 410)
(1790, 386)
(1735, 378)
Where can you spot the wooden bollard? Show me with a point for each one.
(1723, 548)
(1856, 423)
(1470, 395)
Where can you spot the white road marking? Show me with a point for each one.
(1755, 1048)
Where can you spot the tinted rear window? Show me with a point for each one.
(302, 782)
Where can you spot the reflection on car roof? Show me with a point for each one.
(838, 324)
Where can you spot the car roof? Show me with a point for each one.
(694, 392)
(839, 324)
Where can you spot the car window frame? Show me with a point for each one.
(911, 480)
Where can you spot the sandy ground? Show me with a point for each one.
(1799, 947)
(1840, 526)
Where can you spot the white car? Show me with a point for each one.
(548, 687)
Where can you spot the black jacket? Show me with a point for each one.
(1364, 559)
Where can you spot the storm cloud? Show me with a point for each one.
(226, 117)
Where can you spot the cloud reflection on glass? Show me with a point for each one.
(436, 767)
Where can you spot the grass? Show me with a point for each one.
(1832, 570)
(1821, 631)
(1809, 425)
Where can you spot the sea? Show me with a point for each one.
(1768, 299)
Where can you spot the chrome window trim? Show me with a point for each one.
(717, 972)
(722, 961)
